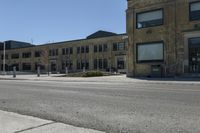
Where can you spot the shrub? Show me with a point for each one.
(93, 74)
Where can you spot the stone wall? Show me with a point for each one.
(172, 32)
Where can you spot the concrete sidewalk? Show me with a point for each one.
(15, 123)
(110, 79)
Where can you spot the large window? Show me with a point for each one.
(150, 19)
(150, 52)
(195, 11)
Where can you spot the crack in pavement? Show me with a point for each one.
(35, 127)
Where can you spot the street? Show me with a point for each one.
(114, 107)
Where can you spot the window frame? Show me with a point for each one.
(190, 4)
(150, 61)
(138, 13)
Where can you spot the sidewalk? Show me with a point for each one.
(15, 123)
(105, 79)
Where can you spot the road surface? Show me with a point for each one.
(114, 107)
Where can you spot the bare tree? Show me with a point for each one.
(45, 58)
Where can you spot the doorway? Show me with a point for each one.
(194, 55)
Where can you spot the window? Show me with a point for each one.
(15, 56)
(16, 66)
(26, 66)
(78, 64)
(100, 64)
(150, 19)
(150, 52)
(100, 48)
(87, 49)
(53, 52)
(87, 65)
(78, 50)
(82, 49)
(42, 67)
(63, 51)
(105, 63)
(26, 55)
(56, 51)
(195, 11)
(69, 64)
(120, 63)
(82, 64)
(118, 46)
(95, 63)
(67, 51)
(38, 53)
(114, 46)
(71, 50)
(2, 56)
(105, 47)
(121, 46)
(95, 49)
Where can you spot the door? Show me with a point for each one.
(194, 55)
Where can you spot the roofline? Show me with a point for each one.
(18, 41)
(56, 43)
(79, 40)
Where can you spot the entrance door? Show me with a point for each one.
(194, 55)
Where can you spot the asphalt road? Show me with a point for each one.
(114, 107)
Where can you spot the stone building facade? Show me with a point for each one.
(102, 51)
(164, 37)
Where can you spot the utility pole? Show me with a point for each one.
(4, 58)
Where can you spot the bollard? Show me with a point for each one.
(66, 71)
(38, 71)
(14, 72)
(83, 69)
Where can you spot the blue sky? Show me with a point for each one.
(59, 20)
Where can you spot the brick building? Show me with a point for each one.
(99, 51)
(164, 37)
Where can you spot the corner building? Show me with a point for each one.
(164, 37)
